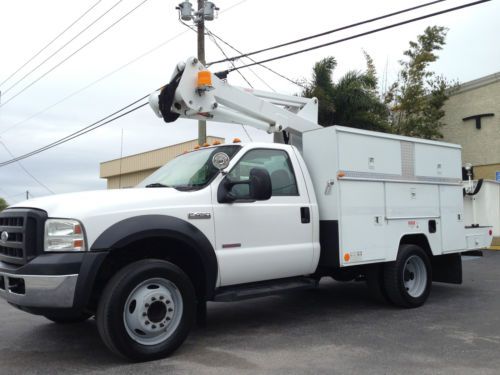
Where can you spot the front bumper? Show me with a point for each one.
(52, 282)
(55, 291)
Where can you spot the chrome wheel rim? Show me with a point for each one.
(415, 276)
(153, 311)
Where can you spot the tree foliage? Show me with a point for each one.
(412, 106)
(416, 99)
(3, 204)
(351, 101)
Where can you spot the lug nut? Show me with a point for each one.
(147, 322)
(170, 309)
(146, 305)
(167, 302)
(153, 299)
(162, 325)
(161, 297)
(144, 314)
(153, 326)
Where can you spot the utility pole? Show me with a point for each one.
(202, 124)
(206, 12)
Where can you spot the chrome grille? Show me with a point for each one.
(21, 235)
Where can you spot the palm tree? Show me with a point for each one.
(352, 101)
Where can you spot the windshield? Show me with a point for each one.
(191, 171)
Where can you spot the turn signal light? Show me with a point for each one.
(347, 257)
(236, 140)
(216, 143)
(490, 232)
(205, 144)
(204, 79)
(340, 174)
(196, 147)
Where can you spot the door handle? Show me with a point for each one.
(305, 215)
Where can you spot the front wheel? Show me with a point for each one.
(146, 310)
(408, 280)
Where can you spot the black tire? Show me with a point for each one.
(69, 319)
(418, 287)
(111, 310)
(375, 283)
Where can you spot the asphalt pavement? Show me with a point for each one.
(336, 329)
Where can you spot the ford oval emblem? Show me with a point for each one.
(4, 236)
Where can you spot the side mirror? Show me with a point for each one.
(260, 184)
(257, 188)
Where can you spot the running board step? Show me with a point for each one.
(263, 289)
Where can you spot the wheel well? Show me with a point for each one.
(418, 239)
(172, 250)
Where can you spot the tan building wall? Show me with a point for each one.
(480, 147)
(130, 170)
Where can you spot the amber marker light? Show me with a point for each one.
(347, 257)
(78, 244)
(216, 143)
(236, 140)
(204, 79)
(340, 174)
(77, 229)
(196, 147)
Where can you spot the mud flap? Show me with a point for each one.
(447, 268)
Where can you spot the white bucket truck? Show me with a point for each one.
(235, 221)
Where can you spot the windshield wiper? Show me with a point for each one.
(156, 185)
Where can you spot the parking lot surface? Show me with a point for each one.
(336, 329)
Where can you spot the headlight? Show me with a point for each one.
(63, 235)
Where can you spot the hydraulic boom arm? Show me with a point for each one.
(196, 93)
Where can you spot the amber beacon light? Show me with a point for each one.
(204, 79)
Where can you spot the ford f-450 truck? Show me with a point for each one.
(235, 221)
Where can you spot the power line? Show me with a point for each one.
(25, 170)
(330, 31)
(97, 124)
(109, 74)
(231, 62)
(359, 35)
(74, 53)
(251, 70)
(214, 41)
(50, 43)
(61, 48)
(94, 82)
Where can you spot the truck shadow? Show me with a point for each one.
(276, 321)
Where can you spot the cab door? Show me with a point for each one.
(270, 239)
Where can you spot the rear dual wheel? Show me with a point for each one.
(146, 310)
(407, 281)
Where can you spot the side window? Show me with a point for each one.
(276, 162)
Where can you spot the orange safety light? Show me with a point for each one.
(204, 79)
(78, 243)
(347, 257)
(236, 140)
(340, 174)
(197, 147)
(216, 143)
(205, 144)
